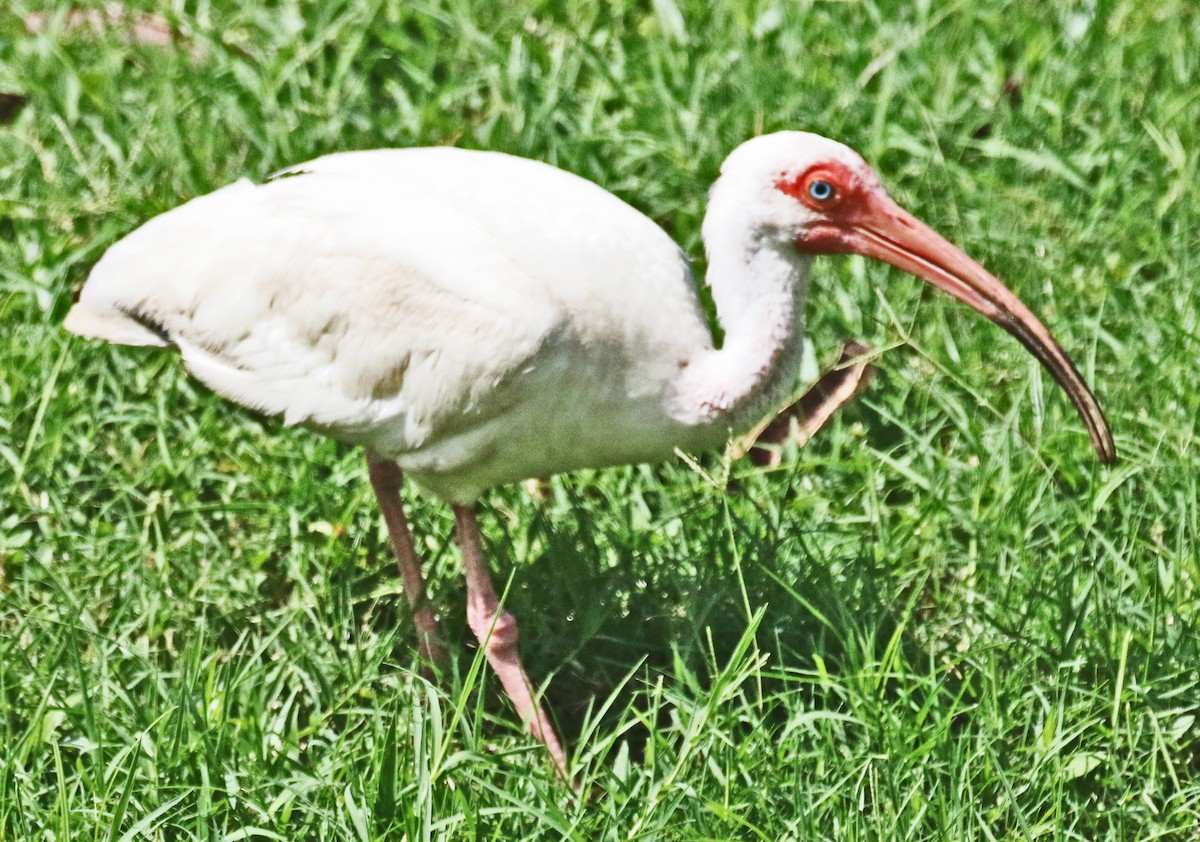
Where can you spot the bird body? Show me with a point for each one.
(470, 315)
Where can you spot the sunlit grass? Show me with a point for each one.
(940, 620)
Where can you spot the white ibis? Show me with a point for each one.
(473, 318)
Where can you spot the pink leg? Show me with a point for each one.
(496, 631)
(837, 385)
(386, 478)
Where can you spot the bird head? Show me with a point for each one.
(819, 196)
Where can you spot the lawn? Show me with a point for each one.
(942, 619)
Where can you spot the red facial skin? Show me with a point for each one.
(858, 217)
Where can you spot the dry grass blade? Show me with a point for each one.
(136, 27)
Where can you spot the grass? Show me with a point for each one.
(941, 620)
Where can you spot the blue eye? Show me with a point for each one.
(820, 190)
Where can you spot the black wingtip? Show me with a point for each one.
(151, 324)
(290, 172)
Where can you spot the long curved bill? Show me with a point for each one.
(891, 234)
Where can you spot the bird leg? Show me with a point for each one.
(801, 421)
(386, 478)
(496, 631)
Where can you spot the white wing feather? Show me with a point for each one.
(397, 289)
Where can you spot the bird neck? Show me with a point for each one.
(759, 287)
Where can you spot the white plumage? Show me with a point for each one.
(468, 314)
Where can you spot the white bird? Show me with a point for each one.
(473, 318)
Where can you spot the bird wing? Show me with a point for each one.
(397, 287)
(332, 304)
